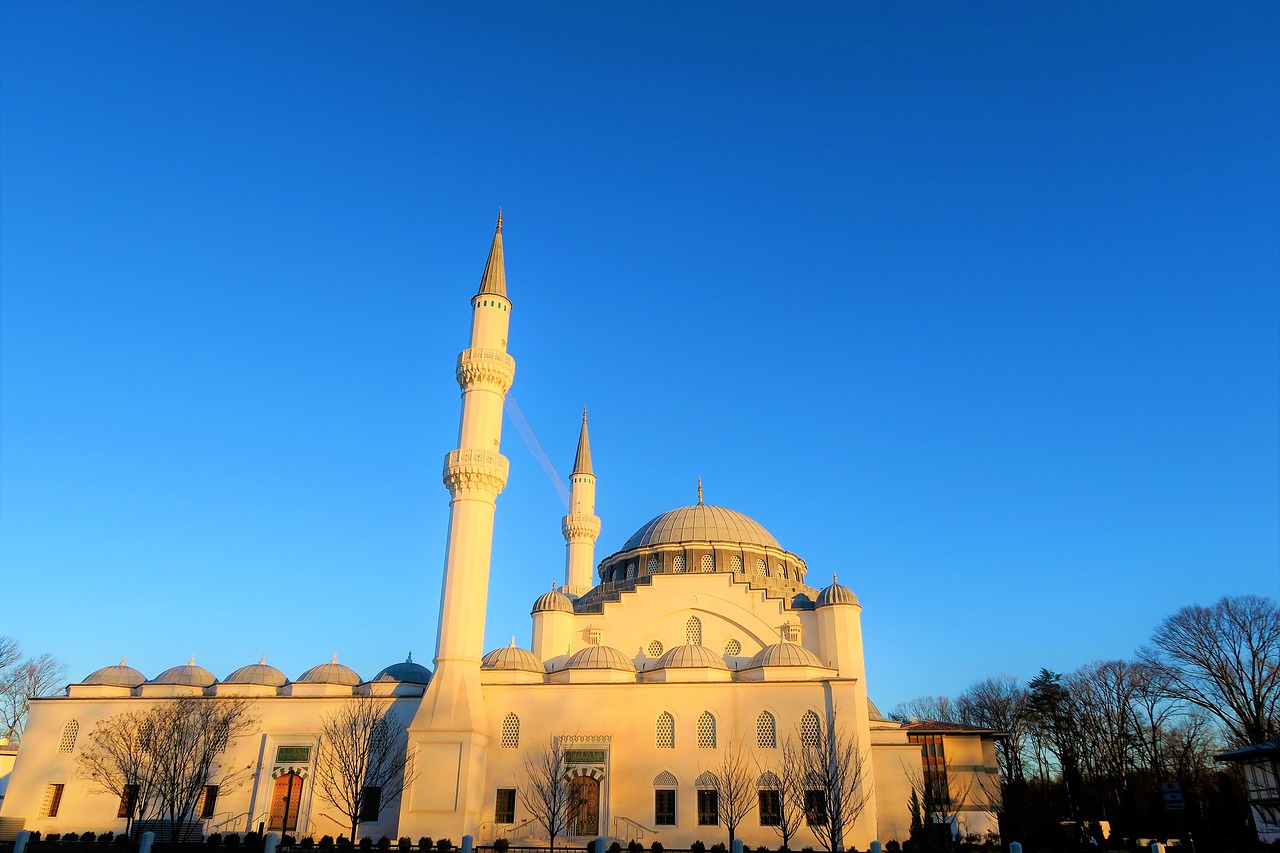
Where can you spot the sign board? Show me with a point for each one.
(1170, 786)
(1175, 807)
(1172, 797)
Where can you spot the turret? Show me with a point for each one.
(581, 526)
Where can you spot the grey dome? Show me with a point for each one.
(405, 672)
(836, 594)
(801, 602)
(873, 713)
(330, 673)
(257, 673)
(784, 654)
(553, 600)
(118, 675)
(512, 658)
(690, 657)
(187, 675)
(701, 523)
(599, 657)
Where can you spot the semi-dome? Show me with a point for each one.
(553, 600)
(599, 657)
(117, 675)
(257, 673)
(701, 523)
(512, 658)
(405, 672)
(690, 656)
(836, 594)
(187, 675)
(330, 673)
(784, 654)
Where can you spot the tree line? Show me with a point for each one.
(1095, 745)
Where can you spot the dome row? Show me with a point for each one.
(262, 673)
(681, 657)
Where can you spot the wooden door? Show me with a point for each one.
(286, 795)
(584, 797)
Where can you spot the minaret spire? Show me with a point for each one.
(494, 279)
(581, 526)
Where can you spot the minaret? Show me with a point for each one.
(450, 727)
(581, 526)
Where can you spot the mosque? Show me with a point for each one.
(701, 633)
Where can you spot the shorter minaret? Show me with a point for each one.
(581, 526)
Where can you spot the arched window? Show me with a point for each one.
(783, 571)
(708, 563)
(652, 566)
(69, 732)
(706, 731)
(735, 564)
(733, 648)
(655, 649)
(769, 781)
(809, 729)
(677, 564)
(693, 631)
(666, 731)
(761, 568)
(766, 731)
(631, 569)
(706, 779)
(510, 732)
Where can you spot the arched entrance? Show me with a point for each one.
(584, 800)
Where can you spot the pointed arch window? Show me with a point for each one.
(69, 733)
(766, 731)
(735, 564)
(652, 565)
(510, 731)
(631, 569)
(665, 736)
(708, 563)
(693, 631)
(677, 565)
(706, 731)
(761, 569)
(809, 729)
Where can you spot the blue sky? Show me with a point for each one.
(975, 305)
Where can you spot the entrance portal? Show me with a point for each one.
(285, 799)
(584, 799)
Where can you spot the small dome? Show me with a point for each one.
(553, 600)
(512, 657)
(873, 713)
(836, 594)
(330, 673)
(188, 675)
(690, 657)
(701, 523)
(257, 673)
(784, 654)
(599, 657)
(119, 675)
(801, 602)
(405, 672)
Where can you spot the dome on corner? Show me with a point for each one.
(836, 594)
(187, 675)
(330, 673)
(117, 675)
(512, 658)
(599, 657)
(405, 672)
(701, 523)
(784, 654)
(553, 600)
(690, 657)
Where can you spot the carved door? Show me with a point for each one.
(285, 799)
(584, 797)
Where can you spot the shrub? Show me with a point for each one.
(501, 845)
(425, 843)
(718, 848)
(615, 847)
(892, 845)
(656, 847)
(89, 837)
(123, 838)
(252, 839)
(384, 843)
(106, 837)
(762, 849)
(326, 842)
(307, 843)
(634, 846)
(444, 845)
(404, 843)
(697, 847)
(343, 843)
(287, 840)
(214, 839)
(231, 839)
(54, 836)
(35, 836)
(366, 843)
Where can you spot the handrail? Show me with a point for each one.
(635, 824)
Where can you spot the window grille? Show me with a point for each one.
(510, 731)
(664, 807)
(735, 564)
(52, 800)
(631, 569)
(708, 807)
(665, 779)
(783, 571)
(809, 729)
(733, 648)
(380, 738)
(706, 731)
(707, 779)
(815, 807)
(655, 649)
(766, 731)
(693, 631)
(677, 564)
(652, 566)
(666, 734)
(768, 780)
(206, 803)
(69, 732)
(505, 808)
(761, 568)
(770, 807)
(708, 563)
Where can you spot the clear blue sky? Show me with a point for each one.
(975, 305)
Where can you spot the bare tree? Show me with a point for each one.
(786, 778)
(117, 759)
(832, 768)
(363, 762)
(943, 709)
(21, 680)
(1225, 659)
(547, 791)
(735, 793)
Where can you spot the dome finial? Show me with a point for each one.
(409, 659)
(192, 662)
(513, 641)
(262, 660)
(834, 579)
(335, 658)
(699, 491)
(122, 659)
(499, 220)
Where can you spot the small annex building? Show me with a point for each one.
(700, 631)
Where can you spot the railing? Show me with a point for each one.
(623, 824)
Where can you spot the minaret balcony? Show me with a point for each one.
(488, 368)
(580, 528)
(475, 470)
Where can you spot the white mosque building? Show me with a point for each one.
(700, 632)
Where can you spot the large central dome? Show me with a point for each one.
(701, 523)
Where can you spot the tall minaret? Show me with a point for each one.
(580, 527)
(450, 728)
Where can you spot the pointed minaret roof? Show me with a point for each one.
(494, 279)
(582, 461)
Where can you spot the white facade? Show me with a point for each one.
(701, 631)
